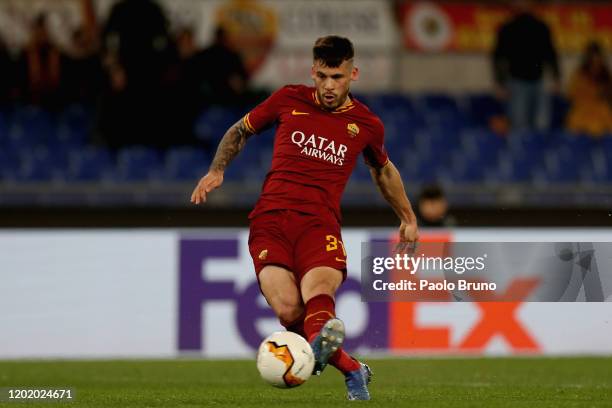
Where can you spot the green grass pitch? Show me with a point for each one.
(453, 382)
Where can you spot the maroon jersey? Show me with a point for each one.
(315, 150)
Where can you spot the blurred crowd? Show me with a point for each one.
(524, 54)
(145, 82)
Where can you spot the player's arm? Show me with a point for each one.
(390, 185)
(231, 144)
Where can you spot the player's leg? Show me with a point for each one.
(326, 333)
(280, 289)
(318, 289)
(273, 259)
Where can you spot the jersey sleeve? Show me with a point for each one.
(375, 154)
(266, 113)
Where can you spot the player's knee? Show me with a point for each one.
(319, 288)
(288, 312)
(323, 288)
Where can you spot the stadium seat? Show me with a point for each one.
(10, 163)
(34, 123)
(5, 125)
(482, 145)
(186, 163)
(399, 123)
(388, 103)
(136, 163)
(361, 173)
(39, 164)
(436, 102)
(480, 108)
(73, 127)
(437, 144)
(213, 122)
(561, 168)
(517, 169)
(559, 108)
(89, 164)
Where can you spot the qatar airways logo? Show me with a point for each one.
(320, 147)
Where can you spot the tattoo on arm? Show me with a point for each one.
(232, 143)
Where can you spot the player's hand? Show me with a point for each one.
(212, 180)
(408, 237)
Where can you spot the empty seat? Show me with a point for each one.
(136, 163)
(89, 164)
(186, 163)
(214, 122)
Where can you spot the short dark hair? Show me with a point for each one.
(432, 192)
(333, 50)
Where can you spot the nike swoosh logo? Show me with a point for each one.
(340, 260)
(296, 113)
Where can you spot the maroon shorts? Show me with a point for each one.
(296, 241)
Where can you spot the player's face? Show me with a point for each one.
(333, 84)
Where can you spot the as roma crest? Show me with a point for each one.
(353, 129)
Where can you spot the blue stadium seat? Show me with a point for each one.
(17, 139)
(39, 164)
(34, 123)
(560, 107)
(482, 145)
(436, 102)
(465, 170)
(560, 168)
(482, 107)
(74, 126)
(438, 145)
(517, 169)
(136, 163)
(530, 146)
(186, 163)
(389, 103)
(5, 125)
(10, 163)
(402, 122)
(213, 122)
(236, 171)
(601, 170)
(361, 172)
(89, 164)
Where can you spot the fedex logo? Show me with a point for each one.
(395, 327)
(196, 291)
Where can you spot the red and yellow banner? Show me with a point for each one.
(465, 27)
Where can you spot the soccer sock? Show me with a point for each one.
(296, 326)
(343, 362)
(319, 310)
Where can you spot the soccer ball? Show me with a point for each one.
(285, 359)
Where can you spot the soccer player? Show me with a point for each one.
(295, 238)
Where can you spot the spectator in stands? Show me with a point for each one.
(82, 71)
(590, 94)
(40, 67)
(185, 43)
(8, 88)
(137, 56)
(524, 50)
(218, 72)
(432, 208)
(188, 104)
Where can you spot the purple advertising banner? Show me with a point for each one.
(195, 291)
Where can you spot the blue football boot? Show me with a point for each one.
(326, 343)
(357, 383)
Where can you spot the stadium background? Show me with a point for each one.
(102, 255)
